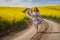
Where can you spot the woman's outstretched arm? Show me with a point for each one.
(28, 12)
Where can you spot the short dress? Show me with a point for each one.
(36, 18)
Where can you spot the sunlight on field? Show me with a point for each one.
(50, 11)
(10, 13)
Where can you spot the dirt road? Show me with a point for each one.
(52, 33)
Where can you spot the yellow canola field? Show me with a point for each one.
(12, 13)
(50, 11)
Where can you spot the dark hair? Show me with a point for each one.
(25, 10)
(36, 9)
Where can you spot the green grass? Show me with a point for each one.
(6, 26)
(53, 18)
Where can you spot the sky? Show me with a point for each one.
(29, 3)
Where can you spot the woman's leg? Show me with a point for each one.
(36, 26)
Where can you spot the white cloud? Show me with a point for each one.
(21, 3)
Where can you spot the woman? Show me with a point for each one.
(35, 16)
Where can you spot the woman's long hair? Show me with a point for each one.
(36, 9)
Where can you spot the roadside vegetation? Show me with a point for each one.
(6, 26)
(52, 18)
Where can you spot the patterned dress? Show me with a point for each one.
(36, 18)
